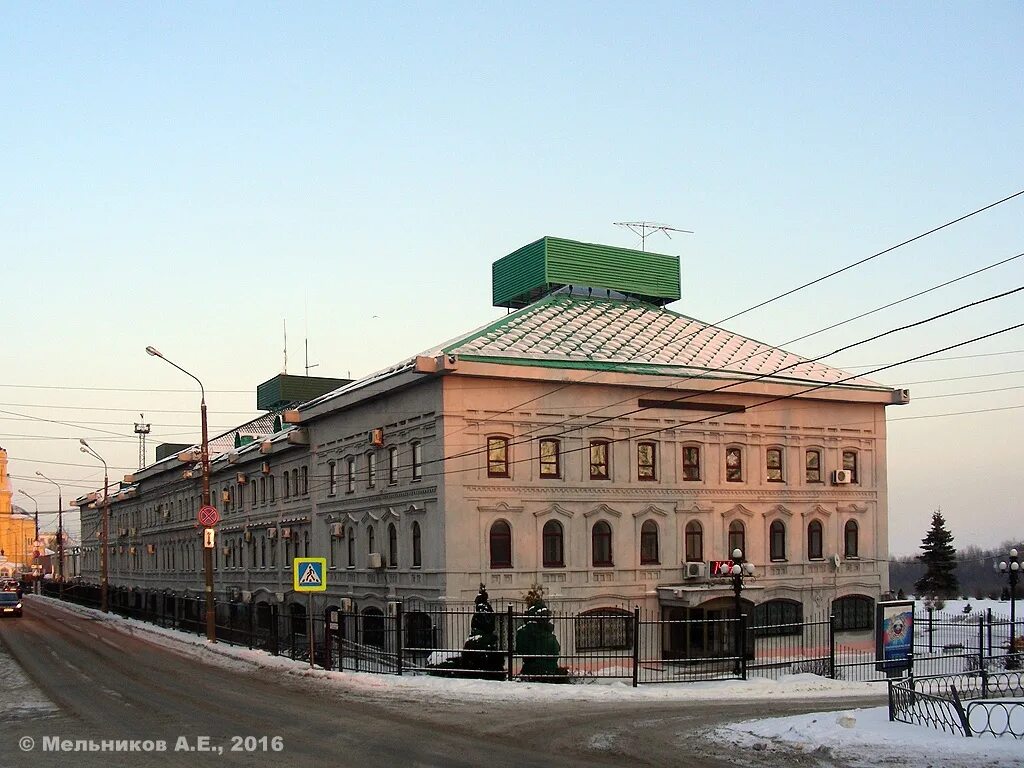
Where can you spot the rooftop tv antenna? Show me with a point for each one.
(643, 229)
(314, 365)
(142, 429)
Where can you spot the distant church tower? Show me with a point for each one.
(16, 531)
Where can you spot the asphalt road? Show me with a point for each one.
(107, 685)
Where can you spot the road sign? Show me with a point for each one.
(208, 516)
(209, 537)
(309, 574)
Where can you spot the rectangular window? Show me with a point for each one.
(646, 457)
(691, 463)
(497, 457)
(332, 478)
(417, 461)
(392, 466)
(850, 464)
(270, 488)
(351, 481)
(734, 465)
(599, 469)
(549, 459)
(305, 480)
(812, 466)
(371, 470)
(773, 460)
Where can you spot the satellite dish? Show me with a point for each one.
(835, 561)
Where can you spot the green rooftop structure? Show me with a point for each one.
(551, 263)
(284, 390)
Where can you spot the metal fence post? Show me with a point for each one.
(832, 645)
(252, 626)
(510, 639)
(981, 644)
(743, 646)
(989, 617)
(930, 612)
(892, 709)
(398, 637)
(275, 647)
(636, 645)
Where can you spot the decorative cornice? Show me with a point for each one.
(696, 508)
(501, 508)
(778, 509)
(737, 509)
(817, 509)
(852, 507)
(669, 496)
(651, 510)
(554, 509)
(602, 508)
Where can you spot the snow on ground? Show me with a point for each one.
(862, 737)
(19, 697)
(865, 737)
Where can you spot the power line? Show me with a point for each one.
(873, 256)
(975, 392)
(124, 389)
(963, 378)
(943, 359)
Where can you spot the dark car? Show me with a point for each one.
(10, 604)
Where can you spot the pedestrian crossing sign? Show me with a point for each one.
(310, 574)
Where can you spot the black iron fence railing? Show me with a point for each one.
(980, 703)
(612, 643)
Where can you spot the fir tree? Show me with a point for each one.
(939, 559)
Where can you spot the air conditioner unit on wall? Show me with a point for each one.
(377, 437)
(346, 605)
(376, 561)
(271, 533)
(338, 530)
(240, 478)
(842, 477)
(695, 570)
(286, 533)
(248, 535)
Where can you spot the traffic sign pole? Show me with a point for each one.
(309, 610)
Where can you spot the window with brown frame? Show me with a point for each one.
(599, 469)
(501, 545)
(851, 535)
(773, 460)
(553, 545)
(812, 466)
(601, 541)
(777, 541)
(649, 543)
(815, 541)
(694, 542)
(417, 545)
(646, 459)
(497, 457)
(737, 537)
(734, 465)
(550, 459)
(691, 462)
(850, 464)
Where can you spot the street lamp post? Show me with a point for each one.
(1012, 569)
(60, 533)
(211, 623)
(105, 529)
(35, 542)
(740, 570)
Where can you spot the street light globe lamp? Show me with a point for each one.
(60, 532)
(105, 518)
(1012, 571)
(739, 571)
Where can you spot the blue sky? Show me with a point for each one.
(188, 175)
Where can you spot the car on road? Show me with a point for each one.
(10, 604)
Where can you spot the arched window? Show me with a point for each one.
(776, 618)
(501, 545)
(851, 534)
(694, 542)
(604, 628)
(417, 546)
(305, 544)
(601, 541)
(553, 545)
(295, 481)
(777, 541)
(351, 538)
(646, 461)
(287, 486)
(549, 459)
(270, 488)
(812, 466)
(854, 613)
(497, 457)
(814, 541)
(737, 537)
(649, 543)
(773, 465)
(392, 546)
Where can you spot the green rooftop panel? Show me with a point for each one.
(551, 263)
(284, 390)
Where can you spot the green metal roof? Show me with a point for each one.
(284, 390)
(552, 263)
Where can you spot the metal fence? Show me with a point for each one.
(994, 703)
(594, 646)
